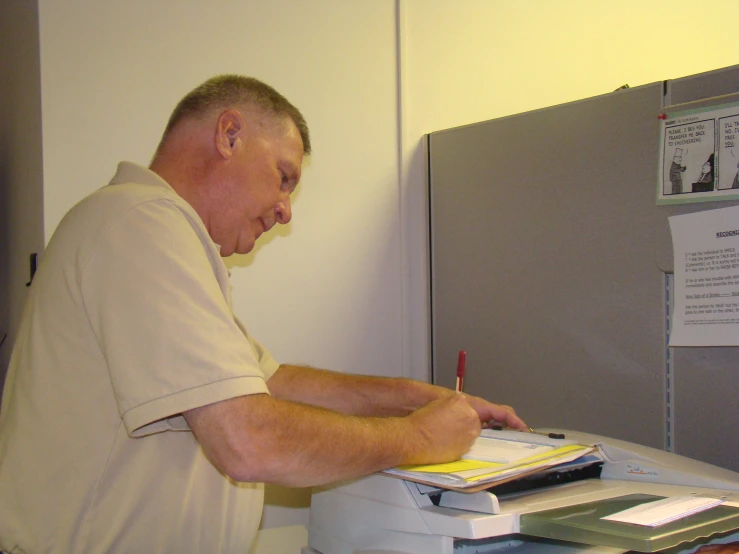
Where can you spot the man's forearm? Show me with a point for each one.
(261, 438)
(352, 394)
(374, 396)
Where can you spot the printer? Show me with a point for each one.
(381, 514)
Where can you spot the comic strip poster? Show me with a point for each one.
(699, 155)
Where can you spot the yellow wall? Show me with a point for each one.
(478, 59)
(466, 61)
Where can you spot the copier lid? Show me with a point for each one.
(582, 523)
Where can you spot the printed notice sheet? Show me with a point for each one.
(706, 309)
(699, 155)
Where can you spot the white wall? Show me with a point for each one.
(325, 290)
(329, 294)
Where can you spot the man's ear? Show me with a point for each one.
(230, 129)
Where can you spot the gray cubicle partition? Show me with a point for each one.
(549, 266)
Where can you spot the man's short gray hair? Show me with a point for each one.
(227, 91)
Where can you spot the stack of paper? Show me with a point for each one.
(654, 514)
(495, 457)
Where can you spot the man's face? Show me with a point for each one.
(255, 184)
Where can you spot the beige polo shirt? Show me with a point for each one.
(128, 323)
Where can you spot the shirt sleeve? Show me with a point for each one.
(163, 320)
(266, 361)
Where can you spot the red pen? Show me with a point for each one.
(461, 361)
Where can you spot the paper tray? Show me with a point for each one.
(582, 523)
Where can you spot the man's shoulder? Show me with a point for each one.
(136, 201)
(122, 196)
(124, 206)
(111, 203)
(132, 185)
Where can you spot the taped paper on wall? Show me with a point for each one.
(706, 300)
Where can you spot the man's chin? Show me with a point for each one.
(241, 249)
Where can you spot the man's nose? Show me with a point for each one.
(283, 211)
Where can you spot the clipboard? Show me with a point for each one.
(549, 454)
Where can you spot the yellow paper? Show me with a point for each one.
(451, 467)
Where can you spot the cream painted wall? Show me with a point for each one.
(474, 60)
(324, 290)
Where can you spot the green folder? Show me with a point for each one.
(582, 523)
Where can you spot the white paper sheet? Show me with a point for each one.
(706, 298)
(504, 452)
(660, 512)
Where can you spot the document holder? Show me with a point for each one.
(582, 523)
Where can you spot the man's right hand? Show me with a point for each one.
(446, 429)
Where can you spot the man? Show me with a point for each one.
(705, 179)
(139, 415)
(676, 171)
